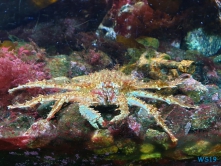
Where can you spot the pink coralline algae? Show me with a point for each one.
(95, 57)
(44, 130)
(134, 125)
(17, 68)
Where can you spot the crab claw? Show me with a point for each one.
(93, 117)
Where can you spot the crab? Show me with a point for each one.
(106, 87)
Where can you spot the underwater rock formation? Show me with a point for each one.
(202, 42)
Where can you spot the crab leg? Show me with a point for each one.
(60, 98)
(167, 99)
(57, 83)
(91, 115)
(34, 101)
(155, 85)
(65, 98)
(57, 106)
(153, 111)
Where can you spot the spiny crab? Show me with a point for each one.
(107, 87)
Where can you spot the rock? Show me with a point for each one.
(15, 126)
(177, 154)
(71, 125)
(214, 151)
(197, 148)
(147, 148)
(150, 156)
(102, 142)
(102, 138)
(204, 116)
(107, 150)
(149, 42)
(193, 88)
(85, 62)
(39, 134)
(204, 43)
(160, 138)
(58, 65)
(126, 146)
(217, 59)
(213, 94)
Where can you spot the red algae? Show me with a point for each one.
(18, 67)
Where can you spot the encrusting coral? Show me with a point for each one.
(105, 88)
